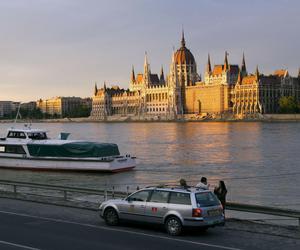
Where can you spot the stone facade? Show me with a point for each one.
(227, 88)
(60, 106)
(260, 94)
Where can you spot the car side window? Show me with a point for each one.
(160, 196)
(180, 198)
(140, 196)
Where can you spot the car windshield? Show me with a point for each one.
(206, 199)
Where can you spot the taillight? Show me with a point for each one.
(197, 212)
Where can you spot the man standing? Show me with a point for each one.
(203, 183)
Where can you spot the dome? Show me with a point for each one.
(184, 55)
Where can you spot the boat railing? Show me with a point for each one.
(88, 198)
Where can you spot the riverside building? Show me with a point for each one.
(226, 89)
(60, 106)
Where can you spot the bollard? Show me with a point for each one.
(127, 191)
(15, 189)
(137, 188)
(105, 194)
(65, 195)
(113, 192)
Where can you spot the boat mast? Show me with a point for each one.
(18, 113)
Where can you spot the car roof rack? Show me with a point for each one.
(187, 188)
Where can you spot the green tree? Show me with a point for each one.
(288, 105)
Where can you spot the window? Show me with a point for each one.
(159, 196)
(180, 198)
(16, 134)
(207, 199)
(37, 136)
(139, 196)
(12, 149)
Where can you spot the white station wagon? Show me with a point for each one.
(174, 207)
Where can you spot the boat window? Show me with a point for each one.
(12, 149)
(16, 134)
(37, 136)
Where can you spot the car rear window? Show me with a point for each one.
(180, 198)
(206, 199)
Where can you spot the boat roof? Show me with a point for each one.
(28, 130)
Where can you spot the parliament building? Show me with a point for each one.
(226, 89)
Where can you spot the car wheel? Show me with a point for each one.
(111, 217)
(173, 226)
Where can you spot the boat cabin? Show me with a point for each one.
(32, 134)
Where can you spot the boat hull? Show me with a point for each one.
(115, 165)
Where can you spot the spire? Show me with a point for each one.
(146, 70)
(243, 66)
(146, 64)
(226, 65)
(162, 77)
(182, 39)
(104, 86)
(208, 66)
(95, 89)
(240, 77)
(132, 78)
(257, 73)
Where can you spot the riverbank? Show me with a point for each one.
(185, 118)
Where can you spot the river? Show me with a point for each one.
(259, 162)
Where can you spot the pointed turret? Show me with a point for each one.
(208, 65)
(95, 89)
(162, 76)
(104, 86)
(243, 66)
(146, 64)
(132, 78)
(226, 65)
(240, 77)
(182, 39)
(146, 70)
(257, 73)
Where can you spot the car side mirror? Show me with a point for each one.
(129, 199)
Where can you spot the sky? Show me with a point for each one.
(62, 47)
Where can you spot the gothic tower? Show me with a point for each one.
(185, 72)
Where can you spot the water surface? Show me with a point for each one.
(258, 161)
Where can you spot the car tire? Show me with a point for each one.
(111, 217)
(173, 226)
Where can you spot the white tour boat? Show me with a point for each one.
(31, 149)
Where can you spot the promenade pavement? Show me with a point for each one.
(30, 225)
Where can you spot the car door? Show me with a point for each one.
(157, 206)
(134, 205)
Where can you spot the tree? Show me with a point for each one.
(288, 105)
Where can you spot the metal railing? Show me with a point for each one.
(68, 194)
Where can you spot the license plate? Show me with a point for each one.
(214, 212)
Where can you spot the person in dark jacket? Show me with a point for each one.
(221, 192)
